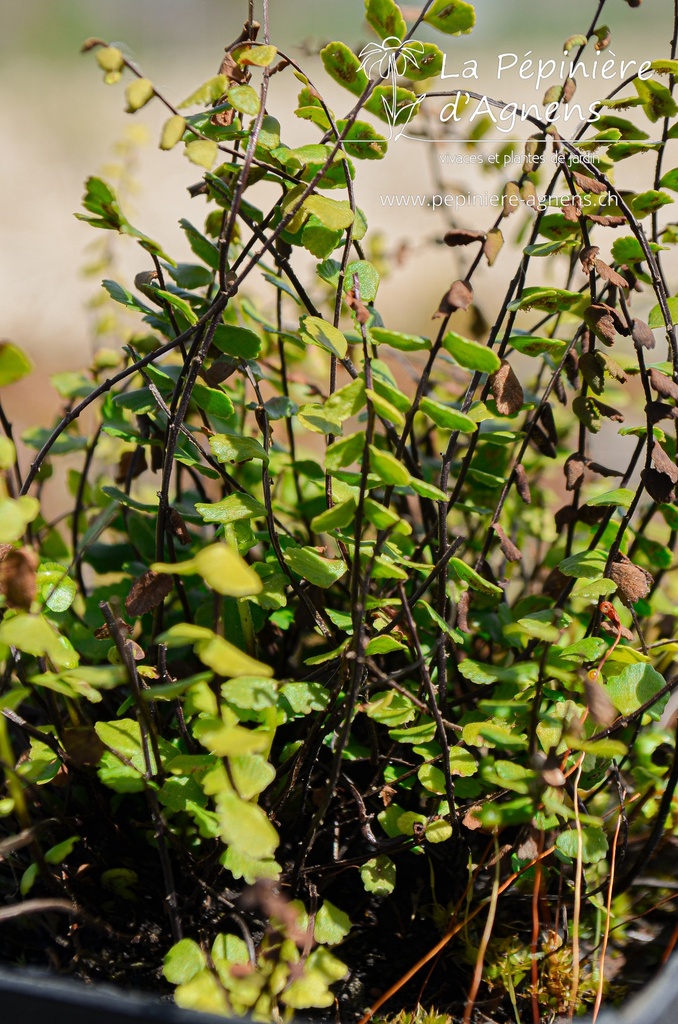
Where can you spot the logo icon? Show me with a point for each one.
(389, 61)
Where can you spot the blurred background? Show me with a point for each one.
(60, 123)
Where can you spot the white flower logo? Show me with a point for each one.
(390, 59)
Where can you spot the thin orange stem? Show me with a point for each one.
(446, 938)
(484, 941)
(536, 892)
(609, 612)
(576, 914)
(606, 932)
(576, 766)
(671, 946)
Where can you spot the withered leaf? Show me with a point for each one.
(157, 459)
(82, 744)
(133, 648)
(540, 441)
(507, 390)
(588, 184)
(534, 148)
(148, 591)
(591, 514)
(571, 367)
(660, 480)
(587, 342)
(487, 571)
(90, 43)
(669, 718)
(598, 702)
(642, 334)
(657, 411)
(178, 527)
(569, 90)
(387, 793)
(511, 198)
(605, 322)
(147, 281)
(662, 384)
(528, 192)
(463, 605)
(587, 258)
(610, 412)
(658, 485)
(608, 221)
(572, 209)
(223, 118)
(663, 463)
(233, 71)
(493, 245)
(219, 371)
(604, 38)
(470, 821)
(510, 551)
(596, 467)
(602, 325)
(612, 630)
(17, 577)
(522, 484)
(555, 582)
(550, 770)
(362, 313)
(460, 236)
(545, 417)
(460, 296)
(574, 471)
(633, 582)
(553, 95)
(478, 325)
(275, 903)
(132, 464)
(559, 389)
(564, 516)
(528, 845)
(606, 273)
(593, 371)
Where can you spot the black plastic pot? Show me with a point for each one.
(29, 996)
(657, 1003)
(33, 997)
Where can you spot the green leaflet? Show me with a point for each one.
(344, 67)
(635, 685)
(394, 339)
(453, 17)
(444, 416)
(471, 354)
(316, 331)
(311, 566)
(14, 364)
(385, 18)
(475, 581)
(214, 651)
